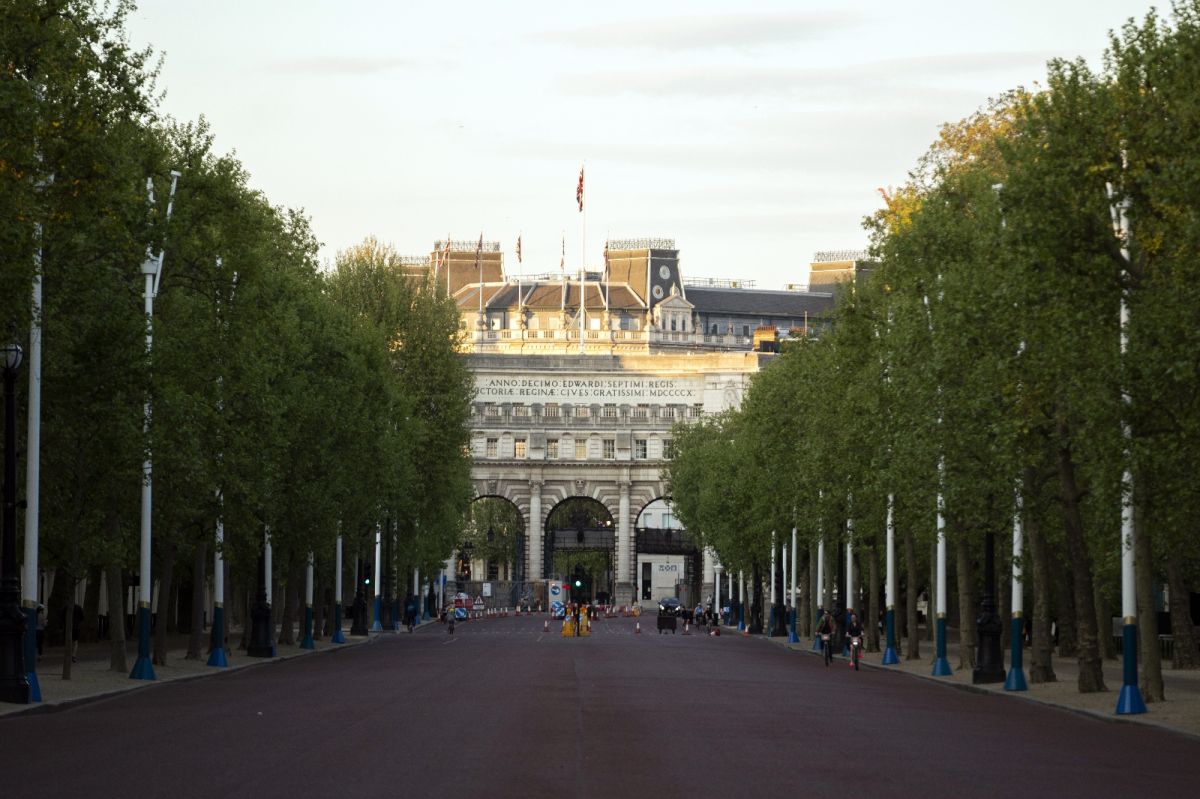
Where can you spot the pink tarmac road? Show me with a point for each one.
(502, 709)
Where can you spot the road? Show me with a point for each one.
(501, 709)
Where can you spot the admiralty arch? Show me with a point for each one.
(579, 379)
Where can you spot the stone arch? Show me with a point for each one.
(580, 545)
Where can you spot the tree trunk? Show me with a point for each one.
(90, 631)
(756, 602)
(964, 581)
(1064, 612)
(116, 620)
(1041, 664)
(247, 599)
(1091, 673)
(68, 628)
(199, 565)
(913, 652)
(166, 567)
(318, 610)
(1187, 656)
(1150, 673)
(1104, 625)
(814, 591)
(871, 622)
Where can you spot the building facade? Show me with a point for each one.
(579, 380)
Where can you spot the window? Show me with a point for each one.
(519, 448)
(551, 447)
(520, 410)
(493, 410)
(667, 412)
(580, 449)
(582, 411)
(668, 449)
(714, 328)
(639, 449)
(552, 410)
(641, 411)
(746, 330)
(610, 411)
(610, 449)
(696, 410)
(493, 447)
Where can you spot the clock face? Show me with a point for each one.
(664, 272)
(657, 291)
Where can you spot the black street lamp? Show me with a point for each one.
(14, 684)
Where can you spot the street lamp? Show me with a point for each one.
(14, 684)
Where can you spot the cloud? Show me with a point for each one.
(737, 31)
(815, 82)
(343, 65)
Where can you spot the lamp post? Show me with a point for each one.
(14, 682)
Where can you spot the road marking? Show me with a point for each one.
(452, 640)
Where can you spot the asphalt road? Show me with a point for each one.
(501, 709)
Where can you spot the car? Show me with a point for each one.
(669, 606)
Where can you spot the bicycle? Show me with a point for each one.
(827, 647)
(855, 650)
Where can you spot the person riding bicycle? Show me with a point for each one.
(825, 629)
(855, 630)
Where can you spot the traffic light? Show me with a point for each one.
(578, 583)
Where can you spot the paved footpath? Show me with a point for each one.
(502, 709)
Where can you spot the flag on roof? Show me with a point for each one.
(518, 248)
(579, 190)
(562, 265)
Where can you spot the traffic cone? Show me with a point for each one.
(746, 632)
(518, 613)
(546, 626)
(716, 631)
(687, 628)
(637, 628)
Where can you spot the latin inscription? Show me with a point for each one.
(603, 389)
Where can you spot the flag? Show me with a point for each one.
(518, 248)
(579, 190)
(562, 265)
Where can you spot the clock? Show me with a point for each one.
(657, 291)
(664, 272)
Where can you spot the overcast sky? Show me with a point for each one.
(753, 134)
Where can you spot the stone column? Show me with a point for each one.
(706, 587)
(536, 570)
(625, 589)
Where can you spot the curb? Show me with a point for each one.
(1020, 696)
(42, 708)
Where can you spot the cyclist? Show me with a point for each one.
(825, 629)
(855, 630)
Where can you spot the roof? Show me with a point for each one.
(550, 295)
(759, 303)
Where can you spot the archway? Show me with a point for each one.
(580, 548)
(667, 561)
(491, 555)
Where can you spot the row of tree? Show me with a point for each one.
(285, 398)
(980, 360)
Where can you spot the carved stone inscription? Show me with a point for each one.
(628, 389)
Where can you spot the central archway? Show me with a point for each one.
(580, 548)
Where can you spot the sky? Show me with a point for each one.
(753, 134)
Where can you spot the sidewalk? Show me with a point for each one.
(1180, 712)
(91, 678)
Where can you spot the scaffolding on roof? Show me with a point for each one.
(826, 256)
(641, 244)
